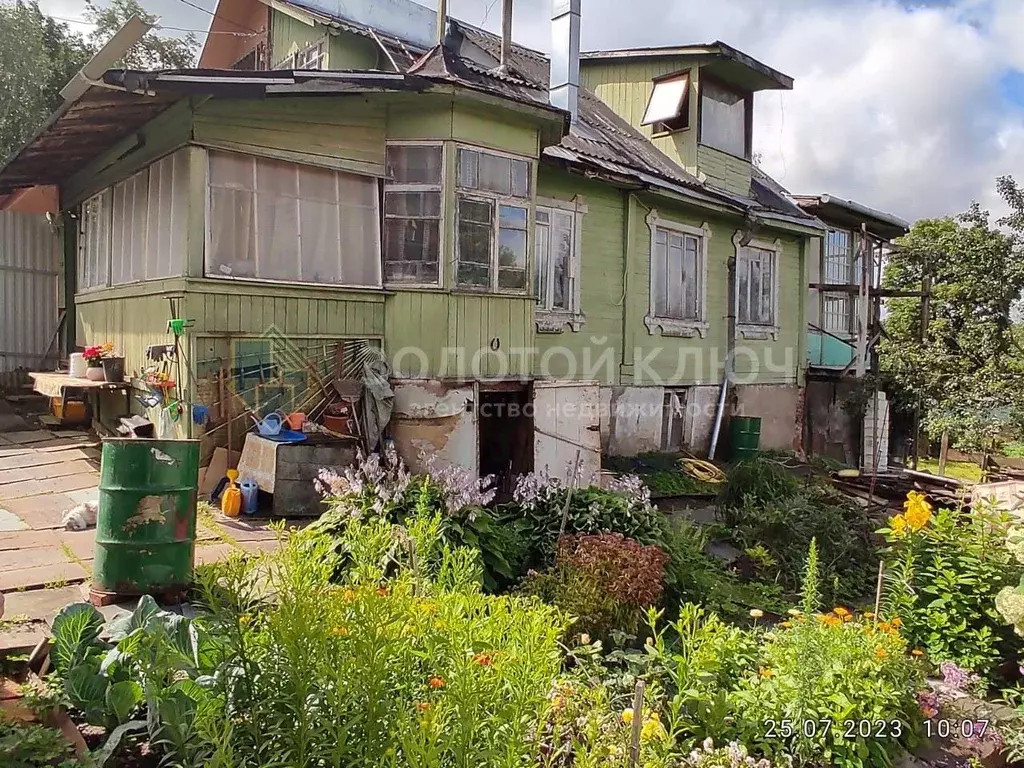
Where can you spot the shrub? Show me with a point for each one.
(945, 572)
(605, 581)
(756, 481)
(546, 509)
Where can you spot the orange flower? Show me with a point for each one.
(436, 682)
(382, 591)
(840, 612)
(830, 619)
(897, 622)
(885, 626)
(917, 652)
(880, 652)
(422, 706)
(483, 659)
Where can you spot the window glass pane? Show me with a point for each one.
(520, 178)
(691, 280)
(413, 204)
(743, 285)
(659, 275)
(562, 262)
(319, 226)
(495, 173)
(475, 233)
(411, 247)
(277, 220)
(723, 121)
(360, 227)
(767, 288)
(667, 100)
(541, 262)
(469, 168)
(675, 276)
(512, 247)
(414, 164)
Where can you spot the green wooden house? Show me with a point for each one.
(558, 257)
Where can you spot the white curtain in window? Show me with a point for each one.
(274, 220)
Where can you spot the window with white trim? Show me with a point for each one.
(756, 276)
(492, 221)
(676, 275)
(135, 230)
(556, 259)
(669, 107)
(839, 258)
(274, 220)
(413, 213)
(311, 57)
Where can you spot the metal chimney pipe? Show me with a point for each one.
(506, 35)
(442, 20)
(565, 56)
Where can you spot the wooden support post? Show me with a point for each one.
(943, 452)
(638, 724)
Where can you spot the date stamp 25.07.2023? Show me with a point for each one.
(871, 729)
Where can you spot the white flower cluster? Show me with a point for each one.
(733, 755)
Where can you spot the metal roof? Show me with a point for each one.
(765, 77)
(849, 213)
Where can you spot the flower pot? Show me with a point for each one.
(113, 369)
(94, 373)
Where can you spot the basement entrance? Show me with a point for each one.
(505, 433)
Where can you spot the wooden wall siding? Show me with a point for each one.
(431, 321)
(157, 138)
(442, 117)
(226, 307)
(349, 51)
(785, 353)
(129, 321)
(627, 87)
(724, 170)
(288, 35)
(601, 280)
(343, 132)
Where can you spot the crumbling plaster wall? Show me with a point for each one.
(434, 418)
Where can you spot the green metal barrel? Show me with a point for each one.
(146, 524)
(745, 436)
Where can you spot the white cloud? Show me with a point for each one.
(896, 107)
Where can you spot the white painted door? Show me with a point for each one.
(567, 425)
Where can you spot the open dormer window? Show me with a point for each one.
(725, 117)
(669, 107)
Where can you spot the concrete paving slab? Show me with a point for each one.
(18, 637)
(214, 553)
(37, 557)
(77, 482)
(11, 522)
(22, 488)
(26, 437)
(41, 603)
(26, 457)
(28, 539)
(64, 444)
(41, 512)
(49, 576)
(81, 544)
(83, 496)
(246, 530)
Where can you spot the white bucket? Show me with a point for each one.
(77, 365)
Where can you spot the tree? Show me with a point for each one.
(37, 57)
(153, 51)
(965, 373)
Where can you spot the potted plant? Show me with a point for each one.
(94, 359)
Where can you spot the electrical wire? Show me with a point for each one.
(213, 13)
(168, 28)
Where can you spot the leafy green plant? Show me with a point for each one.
(26, 745)
(406, 662)
(546, 509)
(946, 571)
(757, 481)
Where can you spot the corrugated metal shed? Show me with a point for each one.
(30, 257)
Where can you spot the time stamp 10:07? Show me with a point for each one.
(872, 729)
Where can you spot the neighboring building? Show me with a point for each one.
(844, 323)
(511, 232)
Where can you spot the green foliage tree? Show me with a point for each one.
(38, 55)
(963, 371)
(153, 51)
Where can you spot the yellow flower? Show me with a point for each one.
(840, 612)
(349, 595)
(899, 525)
(897, 622)
(917, 510)
(341, 631)
(786, 624)
(880, 652)
(245, 619)
(765, 672)
(869, 614)
(627, 715)
(651, 730)
(795, 612)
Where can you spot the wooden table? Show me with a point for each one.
(57, 384)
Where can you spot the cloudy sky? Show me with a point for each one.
(910, 107)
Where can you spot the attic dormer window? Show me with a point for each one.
(725, 117)
(669, 107)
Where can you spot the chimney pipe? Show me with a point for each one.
(506, 35)
(442, 20)
(565, 56)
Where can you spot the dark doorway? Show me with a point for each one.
(505, 426)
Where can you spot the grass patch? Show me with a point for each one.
(1013, 450)
(661, 473)
(960, 470)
